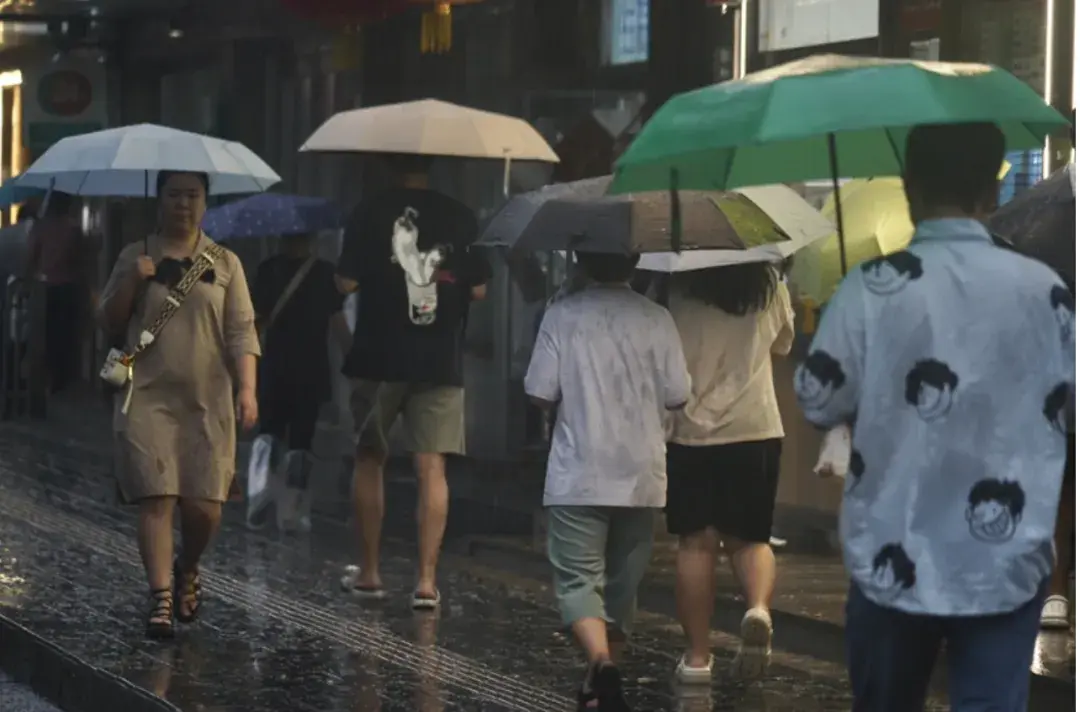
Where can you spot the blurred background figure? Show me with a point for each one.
(57, 256)
(296, 303)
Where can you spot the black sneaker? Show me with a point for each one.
(607, 685)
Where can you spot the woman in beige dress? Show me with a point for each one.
(176, 444)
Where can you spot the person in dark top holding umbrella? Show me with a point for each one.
(296, 303)
(406, 250)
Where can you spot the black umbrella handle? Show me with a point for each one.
(834, 168)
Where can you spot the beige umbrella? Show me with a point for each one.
(431, 128)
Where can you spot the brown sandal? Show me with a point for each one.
(188, 591)
(160, 624)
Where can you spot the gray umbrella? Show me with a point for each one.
(1041, 223)
(508, 224)
(641, 222)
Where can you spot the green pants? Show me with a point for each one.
(599, 556)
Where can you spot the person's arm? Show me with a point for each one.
(351, 261)
(241, 340)
(676, 378)
(542, 378)
(785, 337)
(828, 383)
(117, 299)
(334, 302)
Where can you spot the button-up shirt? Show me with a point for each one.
(954, 359)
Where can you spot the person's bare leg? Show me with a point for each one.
(370, 505)
(199, 522)
(695, 592)
(155, 535)
(754, 565)
(755, 568)
(591, 633)
(432, 507)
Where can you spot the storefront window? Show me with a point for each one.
(1026, 171)
(626, 30)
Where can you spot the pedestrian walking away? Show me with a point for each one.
(175, 422)
(406, 250)
(724, 453)
(298, 307)
(954, 361)
(58, 255)
(609, 362)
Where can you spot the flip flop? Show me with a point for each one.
(426, 601)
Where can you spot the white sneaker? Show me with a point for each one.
(687, 675)
(1055, 613)
(755, 648)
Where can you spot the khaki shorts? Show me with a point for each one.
(433, 416)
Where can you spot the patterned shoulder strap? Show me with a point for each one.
(203, 261)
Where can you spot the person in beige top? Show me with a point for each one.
(176, 444)
(723, 456)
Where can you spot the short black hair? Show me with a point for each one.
(164, 176)
(954, 164)
(605, 267)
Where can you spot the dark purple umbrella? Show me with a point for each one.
(271, 215)
(1041, 223)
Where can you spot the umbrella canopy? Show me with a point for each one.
(876, 223)
(270, 215)
(775, 125)
(13, 193)
(1041, 223)
(431, 128)
(793, 216)
(125, 161)
(506, 226)
(641, 223)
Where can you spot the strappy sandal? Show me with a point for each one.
(160, 623)
(188, 591)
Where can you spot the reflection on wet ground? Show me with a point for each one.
(277, 634)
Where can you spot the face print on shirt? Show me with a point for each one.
(1064, 305)
(1055, 408)
(891, 273)
(894, 572)
(856, 469)
(930, 388)
(994, 510)
(819, 377)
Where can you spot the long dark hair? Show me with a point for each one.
(735, 289)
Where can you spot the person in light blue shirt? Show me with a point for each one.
(954, 363)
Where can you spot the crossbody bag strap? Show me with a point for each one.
(203, 262)
(290, 290)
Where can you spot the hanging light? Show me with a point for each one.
(437, 29)
(437, 24)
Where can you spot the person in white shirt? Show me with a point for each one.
(724, 452)
(610, 361)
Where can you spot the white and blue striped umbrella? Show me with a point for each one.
(270, 215)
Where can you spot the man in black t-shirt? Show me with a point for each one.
(294, 372)
(406, 250)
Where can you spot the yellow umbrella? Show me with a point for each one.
(876, 223)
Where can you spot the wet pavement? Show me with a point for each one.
(20, 698)
(277, 634)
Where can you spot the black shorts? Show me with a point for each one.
(731, 488)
